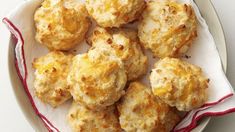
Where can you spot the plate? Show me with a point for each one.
(207, 11)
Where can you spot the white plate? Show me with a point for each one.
(207, 12)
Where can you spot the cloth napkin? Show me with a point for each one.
(202, 53)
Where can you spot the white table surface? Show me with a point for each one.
(13, 120)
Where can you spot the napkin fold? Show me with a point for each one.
(203, 53)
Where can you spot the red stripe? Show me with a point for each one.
(220, 100)
(23, 80)
(194, 121)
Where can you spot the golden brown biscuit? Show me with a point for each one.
(82, 119)
(167, 28)
(61, 24)
(179, 84)
(50, 77)
(114, 13)
(141, 111)
(126, 45)
(97, 79)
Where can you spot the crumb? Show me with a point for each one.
(187, 56)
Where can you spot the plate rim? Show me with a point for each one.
(36, 122)
(222, 50)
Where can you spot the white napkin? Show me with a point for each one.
(202, 53)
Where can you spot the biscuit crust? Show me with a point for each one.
(50, 82)
(97, 79)
(179, 84)
(126, 45)
(141, 111)
(61, 24)
(167, 28)
(82, 119)
(114, 13)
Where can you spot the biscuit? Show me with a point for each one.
(179, 84)
(50, 82)
(125, 44)
(82, 119)
(141, 111)
(61, 24)
(114, 13)
(97, 79)
(167, 28)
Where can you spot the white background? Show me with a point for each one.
(13, 120)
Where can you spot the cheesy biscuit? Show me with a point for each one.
(61, 24)
(125, 44)
(141, 111)
(82, 119)
(50, 82)
(97, 79)
(167, 28)
(179, 84)
(114, 13)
